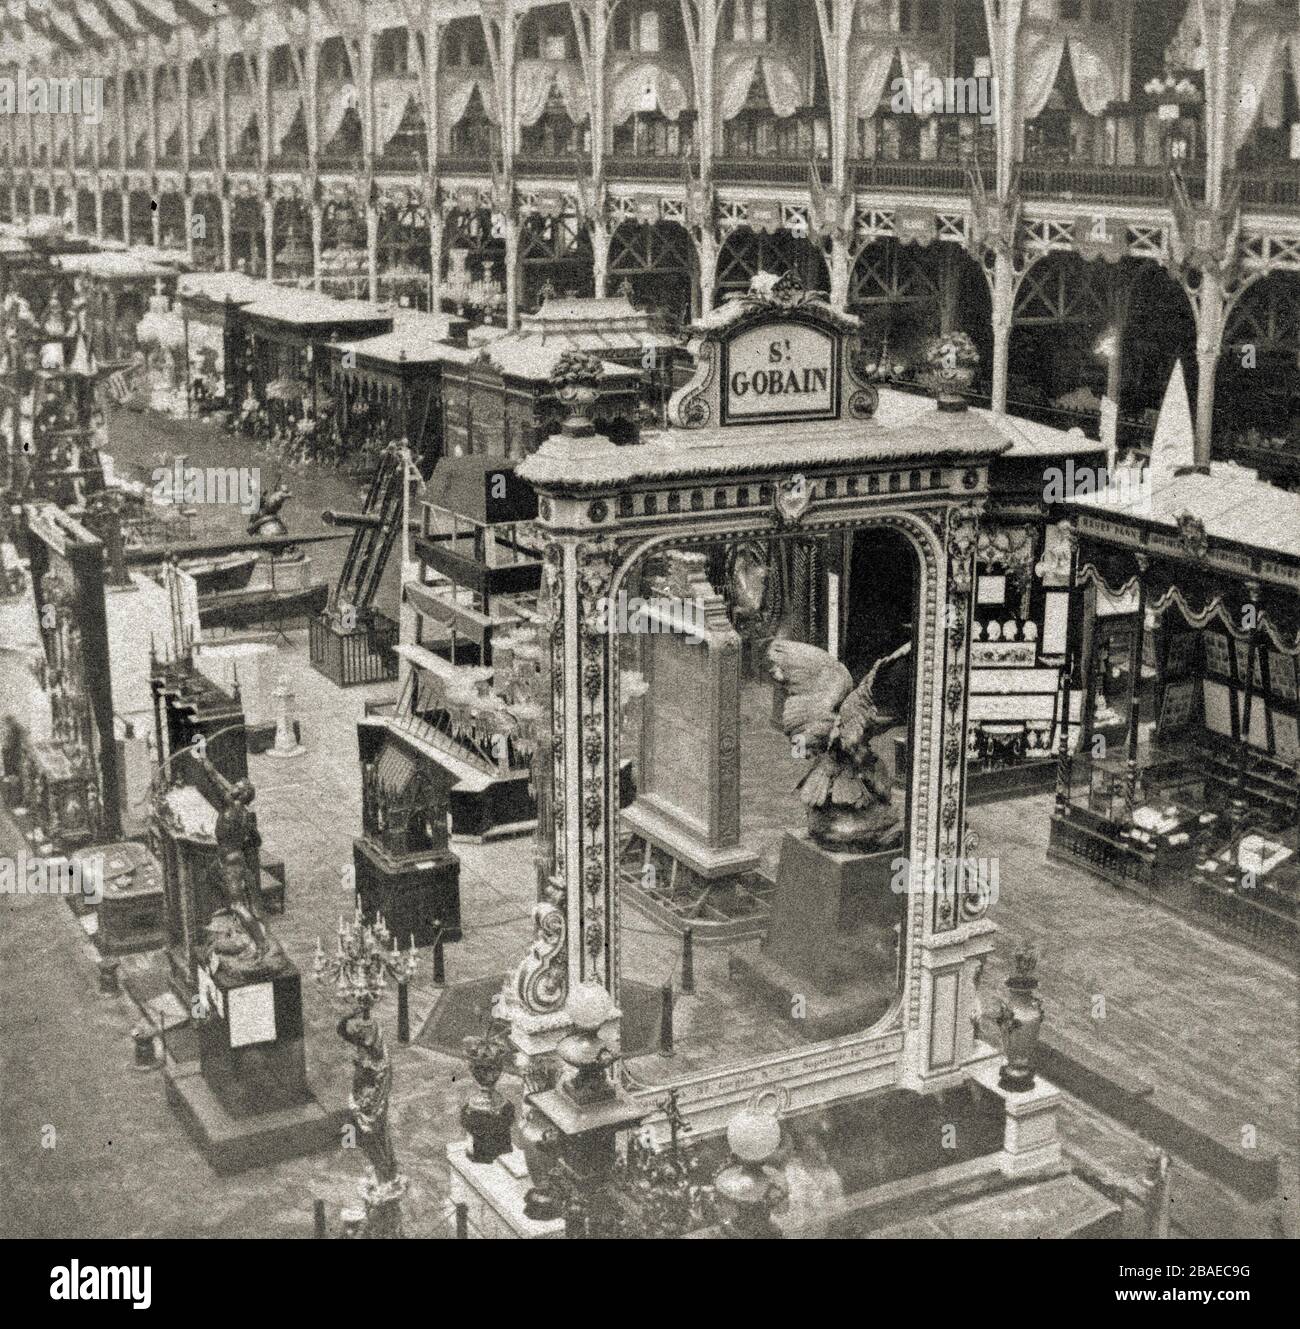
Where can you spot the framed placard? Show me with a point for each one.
(1216, 654)
(1243, 659)
(251, 1014)
(784, 369)
(1282, 675)
(1176, 707)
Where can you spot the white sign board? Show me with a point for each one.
(783, 370)
(252, 1015)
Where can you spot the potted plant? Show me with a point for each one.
(949, 364)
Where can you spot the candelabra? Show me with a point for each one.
(365, 960)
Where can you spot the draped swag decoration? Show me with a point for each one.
(1201, 606)
(534, 80)
(285, 105)
(392, 98)
(241, 111)
(203, 113)
(874, 43)
(647, 86)
(332, 106)
(1095, 57)
(782, 81)
(459, 95)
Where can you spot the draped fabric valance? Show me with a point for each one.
(332, 102)
(241, 111)
(1095, 58)
(1200, 606)
(872, 47)
(285, 105)
(169, 118)
(534, 80)
(392, 96)
(459, 96)
(1260, 47)
(781, 79)
(203, 114)
(646, 87)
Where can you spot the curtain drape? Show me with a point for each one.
(285, 104)
(874, 43)
(241, 111)
(534, 80)
(781, 81)
(392, 97)
(647, 87)
(202, 114)
(332, 102)
(459, 94)
(169, 117)
(1094, 59)
(1258, 53)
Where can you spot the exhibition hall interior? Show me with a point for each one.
(649, 619)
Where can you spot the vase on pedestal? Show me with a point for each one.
(1021, 1020)
(488, 1116)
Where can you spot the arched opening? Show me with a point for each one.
(473, 264)
(248, 237)
(142, 205)
(205, 230)
(1257, 391)
(402, 247)
(554, 252)
(243, 129)
(171, 221)
(658, 261)
(112, 208)
(746, 253)
(468, 103)
(343, 259)
(716, 813)
(203, 116)
(291, 242)
(551, 101)
(288, 118)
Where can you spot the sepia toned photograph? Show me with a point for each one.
(649, 620)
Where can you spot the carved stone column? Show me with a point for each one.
(1003, 288)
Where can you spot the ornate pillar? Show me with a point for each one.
(99, 209)
(435, 253)
(511, 237)
(226, 244)
(268, 236)
(706, 248)
(1004, 302)
(188, 203)
(1135, 686)
(316, 224)
(372, 250)
(841, 267)
(126, 216)
(598, 229)
(1210, 306)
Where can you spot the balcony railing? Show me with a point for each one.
(1147, 184)
(767, 170)
(454, 163)
(1277, 187)
(339, 162)
(552, 167)
(626, 166)
(288, 161)
(243, 160)
(403, 161)
(920, 177)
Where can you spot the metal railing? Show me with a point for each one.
(1144, 183)
(552, 167)
(768, 170)
(454, 163)
(945, 177)
(1273, 187)
(629, 166)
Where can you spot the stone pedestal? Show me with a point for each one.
(493, 1196)
(1030, 1142)
(830, 959)
(416, 893)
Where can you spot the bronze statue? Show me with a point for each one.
(372, 1083)
(238, 843)
(848, 796)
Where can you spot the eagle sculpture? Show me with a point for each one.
(828, 720)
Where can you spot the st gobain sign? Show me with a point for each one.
(782, 369)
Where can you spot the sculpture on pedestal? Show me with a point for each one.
(366, 958)
(847, 792)
(1021, 1020)
(488, 1115)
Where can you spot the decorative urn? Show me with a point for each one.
(1021, 1019)
(748, 1188)
(950, 362)
(584, 1051)
(489, 1115)
(539, 1140)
